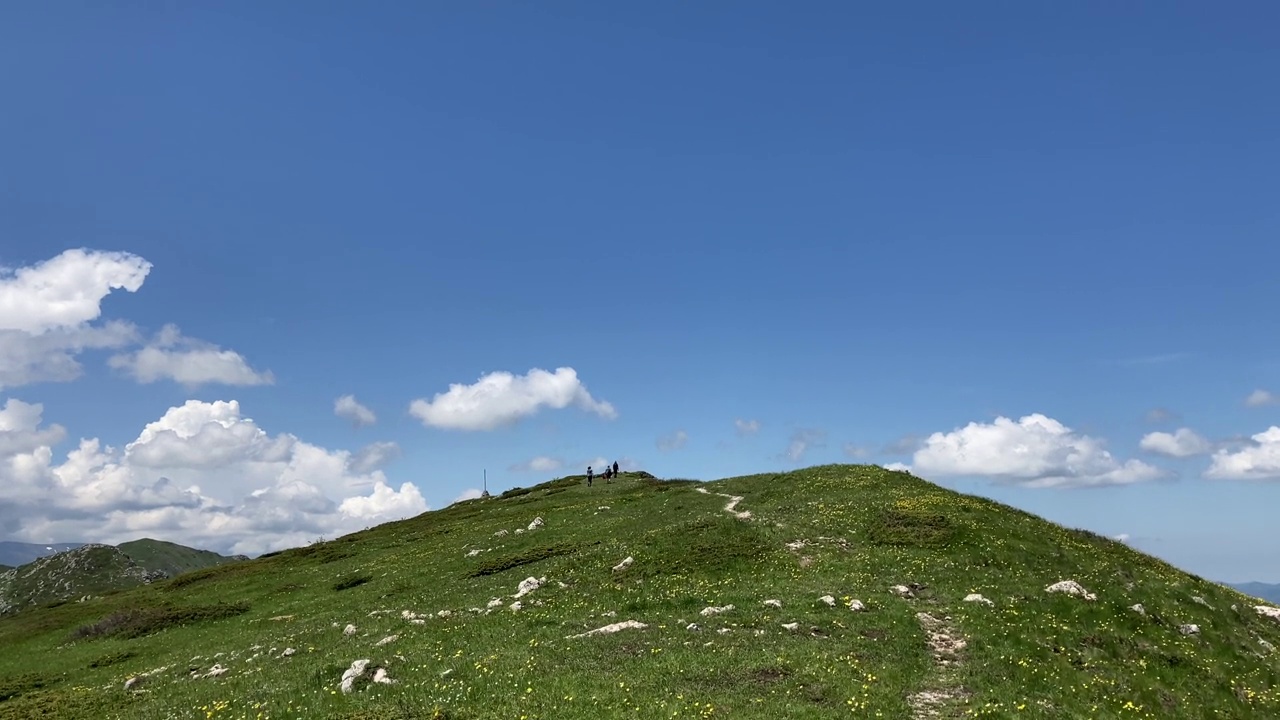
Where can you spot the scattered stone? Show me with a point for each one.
(408, 614)
(1271, 612)
(288, 652)
(1138, 609)
(537, 523)
(444, 614)
(773, 603)
(215, 671)
(795, 545)
(381, 677)
(282, 618)
(792, 626)
(527, 586)
(500, 533)
(828, 599)
(626, 563)
(474, 553)
(519, 530)
(418, 621)
(857, 605)
(1201, 601)
(386, 640)
(725, 631)
(712, 610)
(1071, 587)
(496, 602)
(134, 682)
(1266, 645)
(349, 630)
(1189, 629)
(611, 613)
(515, 606)
(609, 629)
(902, 591)
(351, 674)
(693, 627)
(603, 507)
(976, 597)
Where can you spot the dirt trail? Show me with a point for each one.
(947, 647)
(732, 504)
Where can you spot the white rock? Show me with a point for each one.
(527, 586)
(133, 682)
(444, 613)
(712, 610)
(795, 545)
(380, 676)
(693, 627)
(215, 671)
(418, 621)
(1138, 609)
(387, 640)
(724, 631)
(1201, 601)
(611, 613)
(288, 652)
(828, 599)
(349, 630)
(856, 605)
(603, 507)
(976, 597)
(500, 533)
(1266, 645)
(773, 603)
(609, 629)
(519, 530)
(1071, 587)
(626, 563)
(515, 606)
(474, 553)
(351, 674)
(537, 523)
(792, 626)
(408, 614)
(496, 602)
(1268, 611)
(1189, 629)
(902, 591)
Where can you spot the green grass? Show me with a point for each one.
(171, 558)
(1030, 655)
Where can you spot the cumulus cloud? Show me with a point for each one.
(373, 456)
(1257, 460)
(203, 474)
(746, 427)
(469, 494)
(187, 361)
(347, 407)
(540, 464)
(1261, 398)
(47, 309)
(1181, 443)
(501, 399)
(1035, 451)
(673, 441)
(802, 441)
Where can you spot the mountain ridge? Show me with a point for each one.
(831, 590)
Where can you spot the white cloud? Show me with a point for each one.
(898, 467)
(1259, 460)
(373, 457)
(802, 441)
(189, 362)
(500, 399)
(1261, 398)
(468, 494)
(203, 475)
(746, 427)
(673, 441)
(1181, 443)
(67, 290)
(348, 408)
(540, 464)
(46, 310)
(1035, 451)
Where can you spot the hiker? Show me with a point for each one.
(615, 468)
(588, 476)
(607, 473)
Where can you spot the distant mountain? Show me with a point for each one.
(13, 554)
(1268, 592)
(95, 569)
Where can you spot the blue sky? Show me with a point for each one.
(846, 227)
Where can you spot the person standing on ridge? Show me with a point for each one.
(615, 468)
(588, 476)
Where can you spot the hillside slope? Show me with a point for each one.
(14, 554)
(170, 558)
(725, 585)
(96, 569)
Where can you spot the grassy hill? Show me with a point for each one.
(428, 603)
(171, 558)
(96, 569)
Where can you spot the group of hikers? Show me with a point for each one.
(608, 474)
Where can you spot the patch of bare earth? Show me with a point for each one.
(944, 695)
